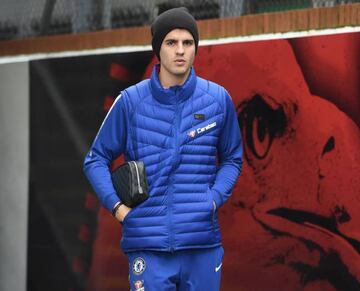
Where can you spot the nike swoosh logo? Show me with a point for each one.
(218, 268)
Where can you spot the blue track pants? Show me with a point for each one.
(190, 270)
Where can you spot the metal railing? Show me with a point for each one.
(30, 18)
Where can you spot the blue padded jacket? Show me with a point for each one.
(189, 139)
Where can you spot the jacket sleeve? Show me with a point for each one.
(109, 143)
(230, 151)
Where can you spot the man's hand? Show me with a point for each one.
(121, 212)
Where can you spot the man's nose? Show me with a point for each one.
(180, 49)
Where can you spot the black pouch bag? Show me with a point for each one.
(130, 183)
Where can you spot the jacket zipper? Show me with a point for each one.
(177, 110)
(138, 177)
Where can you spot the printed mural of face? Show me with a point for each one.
(293, 220)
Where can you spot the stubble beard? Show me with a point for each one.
(176, 74)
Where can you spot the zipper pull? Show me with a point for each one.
(141, 191)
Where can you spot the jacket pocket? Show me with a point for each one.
(130, 213)
(212, 208)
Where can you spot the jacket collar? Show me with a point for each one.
(174, 94)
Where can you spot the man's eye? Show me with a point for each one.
(188, 42)
(170, 43)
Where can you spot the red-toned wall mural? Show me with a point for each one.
(293, 221)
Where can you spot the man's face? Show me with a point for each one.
(177, 53)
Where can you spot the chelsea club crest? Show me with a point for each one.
(138, 266)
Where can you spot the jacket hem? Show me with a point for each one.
(167, 250)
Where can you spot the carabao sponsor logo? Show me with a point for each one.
(205, 128)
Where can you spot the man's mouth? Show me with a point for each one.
(180, 61)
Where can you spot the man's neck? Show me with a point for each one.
(169, 80)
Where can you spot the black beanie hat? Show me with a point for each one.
(169, 20)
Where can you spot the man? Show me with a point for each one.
(185, 130)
